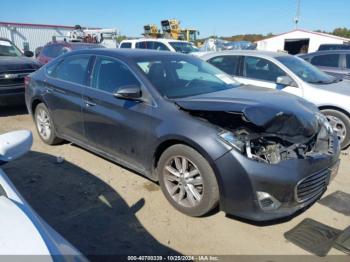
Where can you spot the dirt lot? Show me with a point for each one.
(102, 208)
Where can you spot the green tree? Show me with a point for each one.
(121, 38)
(342, 32)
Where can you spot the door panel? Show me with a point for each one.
(121, 128)
(65, 103)
(64, 95)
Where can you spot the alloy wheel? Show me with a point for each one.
(183, 181)
(43, 123)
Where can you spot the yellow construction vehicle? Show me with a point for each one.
(189, 35)
(152, 31)
(171, 29)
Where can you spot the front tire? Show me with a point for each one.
(187, 180)
(340, 123)
(45, 126)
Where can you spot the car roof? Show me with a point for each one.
(132, 54)
(259, 53)
(71, 43)
(326, 52)
(163, 40)
(334, 44)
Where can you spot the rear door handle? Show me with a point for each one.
(89, 102)
(48, 89)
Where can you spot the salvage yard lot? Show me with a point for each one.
(103, 208)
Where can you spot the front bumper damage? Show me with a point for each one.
(283, 150)
(240, 179)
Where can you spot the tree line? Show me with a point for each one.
(340, 31)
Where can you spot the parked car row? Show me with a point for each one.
(208, 140)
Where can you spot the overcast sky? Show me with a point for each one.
(220, 17)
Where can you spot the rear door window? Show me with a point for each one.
(142, 45)
(73, 69)
(261, 69)
(109, 75)
(160, 46)
(125, 45)
(331, 60)
(348, 61)
(228, 64)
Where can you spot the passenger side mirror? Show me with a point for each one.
(132, 92)
(285, 81)
(15, 144)
(28, 53)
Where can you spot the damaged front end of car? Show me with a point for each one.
(268, 135)
(272, 148)
(282, 152)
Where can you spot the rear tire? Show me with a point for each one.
(45, 126)
(187, 180)
(340, 123)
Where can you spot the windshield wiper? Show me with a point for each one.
(320, 82)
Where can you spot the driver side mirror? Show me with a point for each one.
(28, 53)
(131, 92)
(15, 144)
(285, 81)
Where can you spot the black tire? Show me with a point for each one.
(209, 188)
(346, 121)
(51, 139)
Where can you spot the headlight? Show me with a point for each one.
(230, 139)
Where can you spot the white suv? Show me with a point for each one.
(160, 44)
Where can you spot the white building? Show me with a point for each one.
(298, 41)
(31, 36)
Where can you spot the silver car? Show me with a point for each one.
(293, 75)
(333, 62)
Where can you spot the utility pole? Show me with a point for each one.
(297, 16)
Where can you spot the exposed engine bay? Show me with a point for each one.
(267, 147)
(271, 149)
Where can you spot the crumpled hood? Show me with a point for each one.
(12, 63)
(278, 113)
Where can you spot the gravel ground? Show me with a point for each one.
(103, 208)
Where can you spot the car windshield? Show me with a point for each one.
(177, 77)
(183, 47)
(305, 70)
(8, 49)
